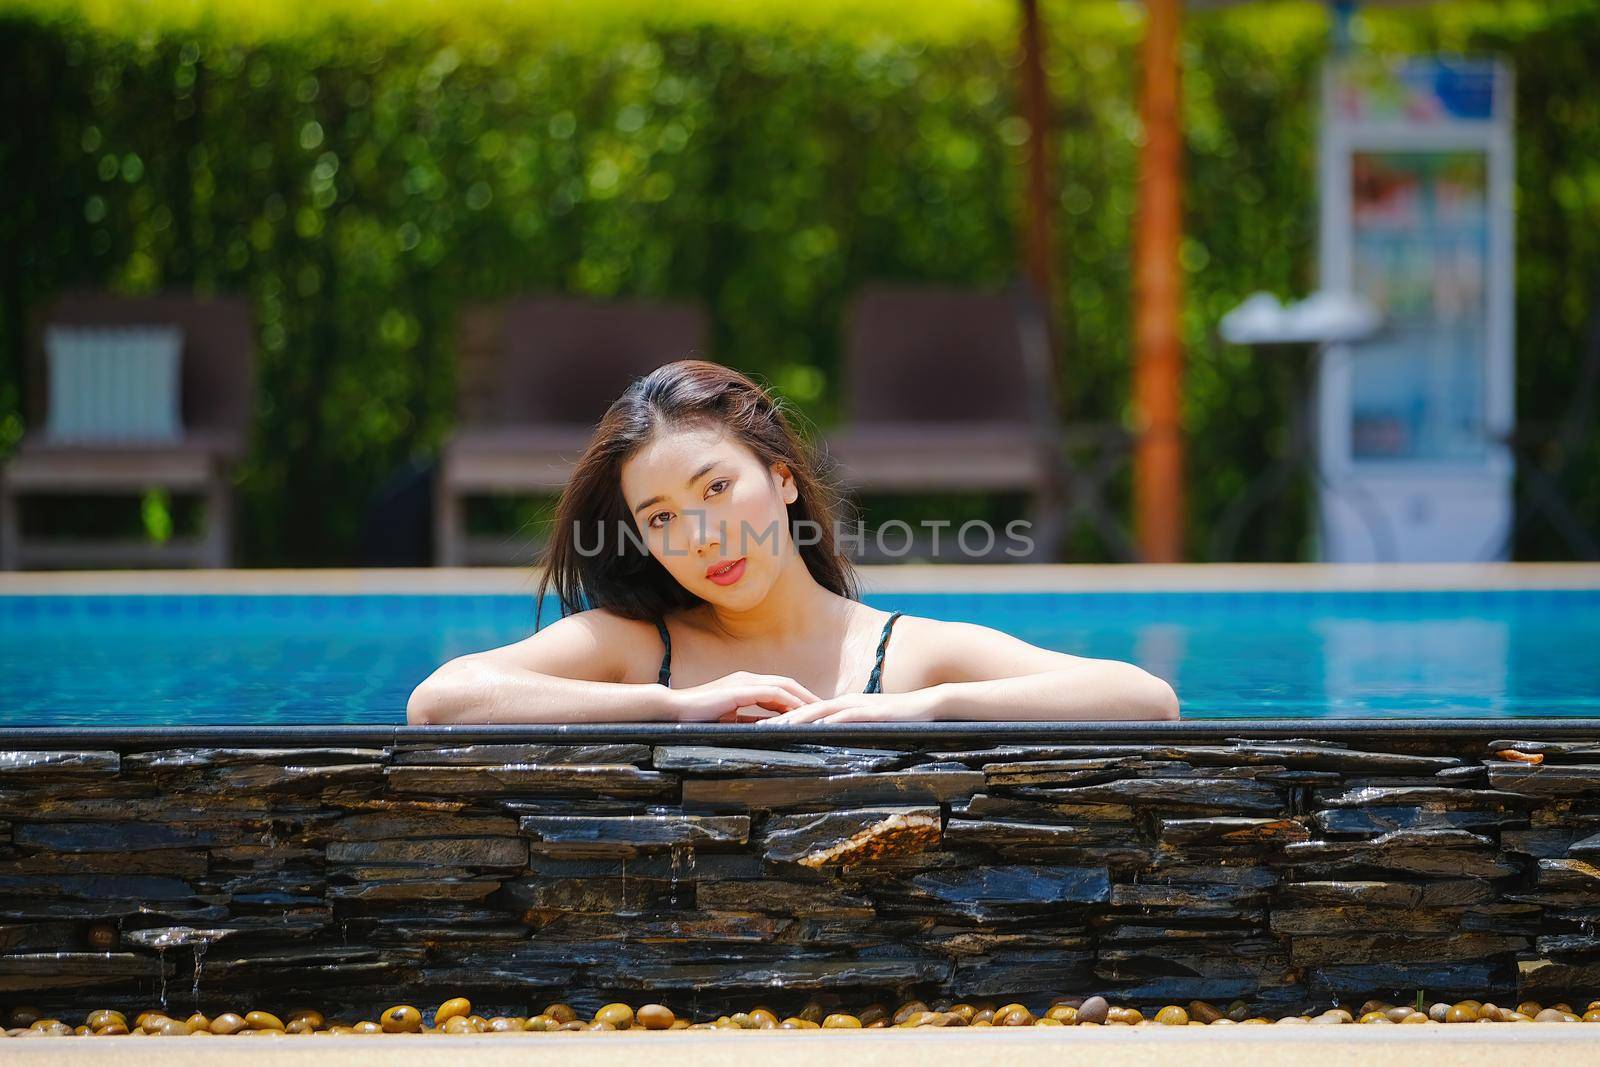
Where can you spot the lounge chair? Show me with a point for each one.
(536, 375)
(949, 390)
(215, 393)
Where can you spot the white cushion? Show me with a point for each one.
(113, 383)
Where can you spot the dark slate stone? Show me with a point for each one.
(31, 805)
(679, 865)
(1256, 958)
(850, 836)
(1358, 918)
(298, 962)
(38, 936)
(1170, 990)
(1125, 933)
(918, 785)
(158, 938)
(604, 894)
(366, 825)
(867, 875)
(1443, 980)
(251, 778)
(1015, 886)
(1585, 749)
(1232, 830)
(1558, 898)
(1302, 754)
(1198, 898)
(1440, 894)
(694, 927)
(776, 974)
(1036, 939)
(849, 933)
(622, 834)
(1020, 972)
(1546, 779)
(1382, 819)
(573, 805)
(1380, 948)
(1524, 919)
(528, 778)
(1252, 875)
(173, 910)
(97, 886)
(985, 806)
(1360, 796)
(1579, 944)
(128, 836)
(782, 898)
(1569, 874)
(1586, 848)
(491, 976)
(1018, 837)
(32, 971)
(176, 863)
(449, 937)
(1061, 772)
(1221, 794)
(1464, 774)
(188, 759)
(727, 760)
(440, 851)
(432, 887)
(501, 755)
(1407, 854)
(1548, 980)
(55, 765)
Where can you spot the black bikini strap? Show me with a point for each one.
(875, 683)
(666, 657)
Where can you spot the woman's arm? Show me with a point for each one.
(569, 671)
(977, 672)
(576, 670)
(474, 689)
(965, 671)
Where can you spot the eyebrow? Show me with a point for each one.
(695, 477)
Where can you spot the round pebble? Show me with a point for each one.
(655, 1017)
(401, 1019)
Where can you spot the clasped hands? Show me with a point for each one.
(772, 699)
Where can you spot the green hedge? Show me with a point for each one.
(359, 183)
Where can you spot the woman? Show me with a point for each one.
(695, 534)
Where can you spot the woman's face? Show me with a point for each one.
(701, 500)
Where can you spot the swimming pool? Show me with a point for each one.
(107, 660)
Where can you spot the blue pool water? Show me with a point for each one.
(143, 660)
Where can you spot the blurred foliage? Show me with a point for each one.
(361, 172)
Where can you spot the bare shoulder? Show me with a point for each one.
(596, 645)
(934, 651)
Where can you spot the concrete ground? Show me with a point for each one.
(1548, 1045)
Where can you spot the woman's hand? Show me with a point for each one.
(739, 697)
(916, 706)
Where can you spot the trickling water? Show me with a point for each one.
(199, 965)
(674, 870)
(161, 963)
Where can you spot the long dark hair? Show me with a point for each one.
(628, 580)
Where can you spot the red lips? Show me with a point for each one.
(726, 572)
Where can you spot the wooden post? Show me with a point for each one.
(1038, 238)
(1158, 296)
